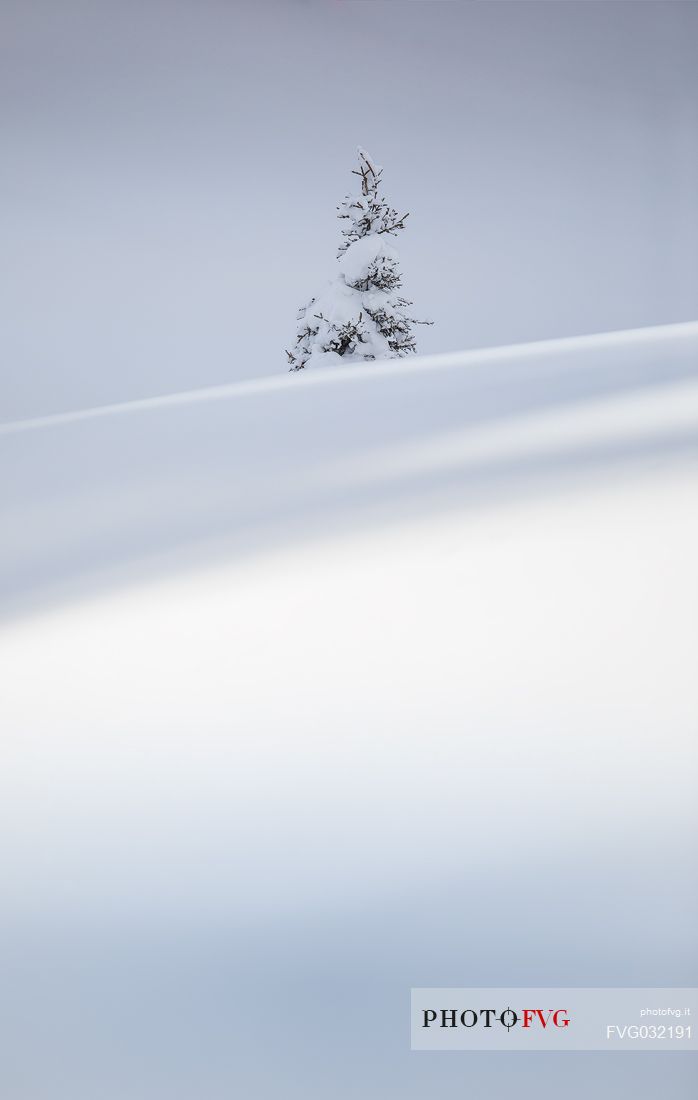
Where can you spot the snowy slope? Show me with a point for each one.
(338, 684)
(105, 492)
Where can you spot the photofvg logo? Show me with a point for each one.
(507, 1018)
(554, 1019)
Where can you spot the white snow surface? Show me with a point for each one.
(347, 680)
(112, 492)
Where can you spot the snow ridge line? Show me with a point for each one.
(356, 372)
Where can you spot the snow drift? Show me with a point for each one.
(319, 687)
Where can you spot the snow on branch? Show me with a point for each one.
(358, 316)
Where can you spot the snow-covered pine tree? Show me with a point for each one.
(360, 314)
